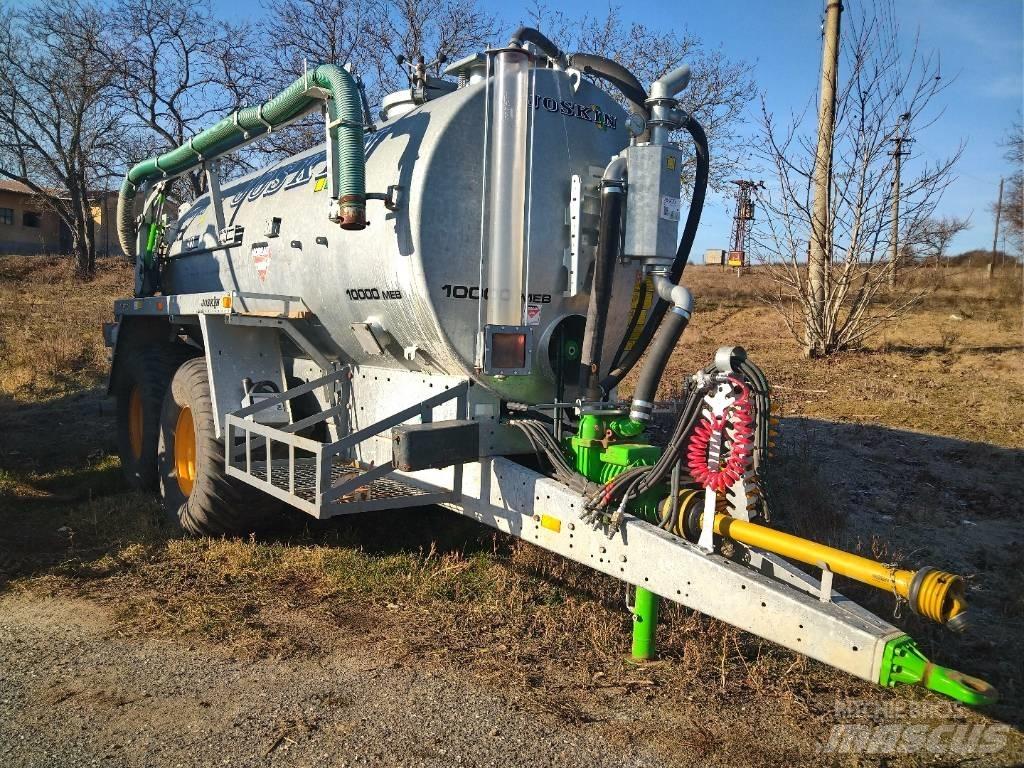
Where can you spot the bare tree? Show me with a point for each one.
(1012, 214)
(438, 30)
(720, 88)
(931, 239)
(305, 33)
(884, 88)
(369, 35)
(182, 69)
(60, 131)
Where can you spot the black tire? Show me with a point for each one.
(197, 493)
(304, 406)
(144, 374)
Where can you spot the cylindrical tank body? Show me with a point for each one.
(414, 273)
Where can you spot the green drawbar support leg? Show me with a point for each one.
(645, 622)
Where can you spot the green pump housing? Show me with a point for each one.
(600, 460)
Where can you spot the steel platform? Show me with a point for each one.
(322, 479)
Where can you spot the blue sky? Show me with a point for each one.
(981, 43)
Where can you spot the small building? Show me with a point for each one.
(715, 257)
(29, 226)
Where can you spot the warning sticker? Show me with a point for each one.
(261, 259)
(533, 314)
(669, 208)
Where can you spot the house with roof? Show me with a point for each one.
(30, 227)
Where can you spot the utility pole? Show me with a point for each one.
(819, 256)
(899, 139)
(995, 235)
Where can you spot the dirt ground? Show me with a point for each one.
(416, 638)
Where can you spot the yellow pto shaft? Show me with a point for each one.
(935, 594)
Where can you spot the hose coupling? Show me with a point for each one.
(939, 596)
(352, 212)
(641, 410)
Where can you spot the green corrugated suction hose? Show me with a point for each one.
(240, 126)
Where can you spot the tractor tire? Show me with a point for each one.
(144, 374)
(197, 493)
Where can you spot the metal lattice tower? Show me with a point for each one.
(741, 221)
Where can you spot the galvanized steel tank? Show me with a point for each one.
(415, 273)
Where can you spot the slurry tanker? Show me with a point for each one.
(437, 305)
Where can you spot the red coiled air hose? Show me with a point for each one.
(737, 424)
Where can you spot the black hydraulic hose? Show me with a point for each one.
(612, 72)
(535, 36)
(762, 397)
(700, 186)
(608, 238)
(671, 329)
(676, 445)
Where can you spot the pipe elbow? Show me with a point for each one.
(539, 39)
(679, 295)
(615, 174)
(667, 86)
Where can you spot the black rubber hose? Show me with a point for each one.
(608, 238)
(612, 72)
(762, 397)
(700, 186)
(535, 36)
(671, 329)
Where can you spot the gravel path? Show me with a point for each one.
(73, 693)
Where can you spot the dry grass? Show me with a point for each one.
(50, 340)
(440, 589)
(953, 367)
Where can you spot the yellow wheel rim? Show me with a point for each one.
(135, 422)
(185, 451)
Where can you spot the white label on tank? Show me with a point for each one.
(533, 314)
(669, 208)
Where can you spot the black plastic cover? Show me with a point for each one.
(435, 445)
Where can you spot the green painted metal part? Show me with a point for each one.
(601, 462)
(903, 662)
(645, 622)
(151, 239)
(627, 427)
(346, 117)
(586, 446)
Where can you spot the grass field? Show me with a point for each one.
(910, 450)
